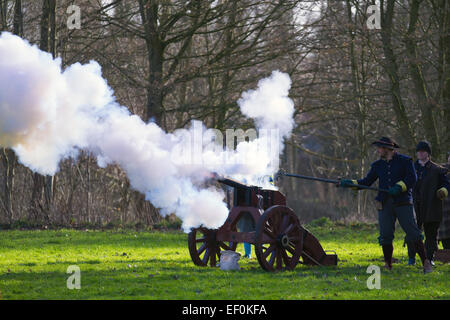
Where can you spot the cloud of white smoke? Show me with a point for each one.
(48, 114)
(270, 105)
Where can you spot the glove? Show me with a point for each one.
(346, 183)
(442, 193)
(395, 190)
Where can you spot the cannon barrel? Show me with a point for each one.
(245, 195)
(235, 184)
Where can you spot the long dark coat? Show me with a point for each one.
(427, 205)
(444, 229)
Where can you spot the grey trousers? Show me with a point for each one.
(387, 218)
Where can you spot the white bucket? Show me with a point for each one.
(229, 260)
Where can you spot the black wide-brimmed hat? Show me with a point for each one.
(424, 146)
(386, 143)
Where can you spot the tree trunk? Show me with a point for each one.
(88, 188)
(226, 78)
(360, 108)
(155, 51)
(444, 47)
(9, 164)
(8, 156)
(424, 101)
(36, 195)
(391, 68)
(3, 11)
(18, 18)
(47, 43)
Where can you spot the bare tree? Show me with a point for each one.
(47, 43)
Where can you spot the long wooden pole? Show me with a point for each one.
(335, 181)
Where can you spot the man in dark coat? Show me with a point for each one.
(395, 172)
(444, 229)
(431, 188)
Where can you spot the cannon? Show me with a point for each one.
(280, 241)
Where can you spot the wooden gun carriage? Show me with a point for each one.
(279, 239)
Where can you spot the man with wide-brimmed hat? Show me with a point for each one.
(431, 188)
(395, 173)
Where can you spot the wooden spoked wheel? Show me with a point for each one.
(279, 239)
(204, 248)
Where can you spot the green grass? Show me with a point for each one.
(156, 265)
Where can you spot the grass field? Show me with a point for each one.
(156, 265)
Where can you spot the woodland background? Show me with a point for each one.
(173, 61)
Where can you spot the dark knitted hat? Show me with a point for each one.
(386, 143)
(424, 146)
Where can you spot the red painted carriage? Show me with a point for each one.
(279, 239)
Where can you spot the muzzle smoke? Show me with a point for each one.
(48, 114)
